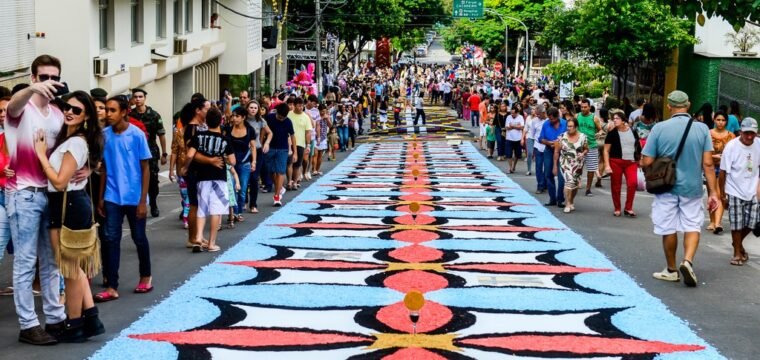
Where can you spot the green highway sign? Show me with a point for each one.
(468, 9)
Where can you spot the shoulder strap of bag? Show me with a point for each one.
(683, 139)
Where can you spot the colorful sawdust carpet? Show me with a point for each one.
(325, 277)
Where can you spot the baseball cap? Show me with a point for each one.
(749, 124)
(678, 98)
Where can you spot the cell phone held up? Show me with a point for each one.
(61, 90)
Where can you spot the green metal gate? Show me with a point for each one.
(740, 84)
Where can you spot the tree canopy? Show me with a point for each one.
(360, 21)
(736, 12)
(488, 32)
(626, 34)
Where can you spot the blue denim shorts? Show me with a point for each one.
(277, 161)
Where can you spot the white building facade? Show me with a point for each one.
(170, 48)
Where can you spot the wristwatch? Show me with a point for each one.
(164, 154)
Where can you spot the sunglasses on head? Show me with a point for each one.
(76, 110)
(46, 77)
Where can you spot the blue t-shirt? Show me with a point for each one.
(733, 124)
(281, 131)
(548, 132)
(122, 154)
(379, 89)
(663, 140)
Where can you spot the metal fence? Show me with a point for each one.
(736, 83)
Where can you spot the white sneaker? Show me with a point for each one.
(689, 278)
(666, 275)
(567, 210)
(282, 191)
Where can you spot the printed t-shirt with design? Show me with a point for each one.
(301, 124)
(122, 154)
(742, 166)
(213, 145)
(19, 135)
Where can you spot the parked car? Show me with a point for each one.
(456, 59)
(421, 51)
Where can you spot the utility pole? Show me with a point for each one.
(317, 32)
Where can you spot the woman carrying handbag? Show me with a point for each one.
(71, 221)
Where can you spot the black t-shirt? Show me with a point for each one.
(281, 131)
(210, 144)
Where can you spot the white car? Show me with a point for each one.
(421, 51)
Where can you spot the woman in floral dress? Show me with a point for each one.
(571, 155)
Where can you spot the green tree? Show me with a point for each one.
(488, 32)
(736, 12)
(619, 34)
(361, 21)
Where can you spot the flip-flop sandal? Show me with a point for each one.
(143, 288)
(616, 214)
(104, 296)
(710, 227)
(737, 262)
(718, 230)
(745, 256)
(239, 218)
(254, 211)
(214, 248)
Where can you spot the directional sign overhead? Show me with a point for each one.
(468, 8)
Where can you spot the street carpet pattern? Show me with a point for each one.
(325, 277)
(439, 124)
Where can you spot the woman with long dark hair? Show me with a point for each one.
(78, 142)
(256, 121)
(622, 151)
(705, 115)
(720, 137)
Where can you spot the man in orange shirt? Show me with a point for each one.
(483, 109)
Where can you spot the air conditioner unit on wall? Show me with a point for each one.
(100, 66)
(180, 46)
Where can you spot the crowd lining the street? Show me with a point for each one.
(73, 160)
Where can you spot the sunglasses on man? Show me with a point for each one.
(46, 77)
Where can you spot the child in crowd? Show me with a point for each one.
(213, 196)
(332, 143)
(490, 138)
(233, 186)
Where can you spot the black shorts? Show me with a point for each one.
(192, 189)
(298, 157)
(78, 211)
(514, 147)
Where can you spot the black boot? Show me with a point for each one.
(92, 324)
(73, 331)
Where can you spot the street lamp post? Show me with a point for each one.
(532, 51)
(506, 34)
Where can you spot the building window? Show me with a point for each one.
(160, 19)
(136, 17)
(188, 16)
(205, 13)
(177, 18)
(105, 18)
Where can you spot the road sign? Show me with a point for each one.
(468, 8)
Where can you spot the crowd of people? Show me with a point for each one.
(75, 160)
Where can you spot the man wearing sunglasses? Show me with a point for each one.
(29, 111)
(155, 127)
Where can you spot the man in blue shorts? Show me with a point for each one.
(277, 149)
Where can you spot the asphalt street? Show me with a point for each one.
(725, 307)
(172, 264)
